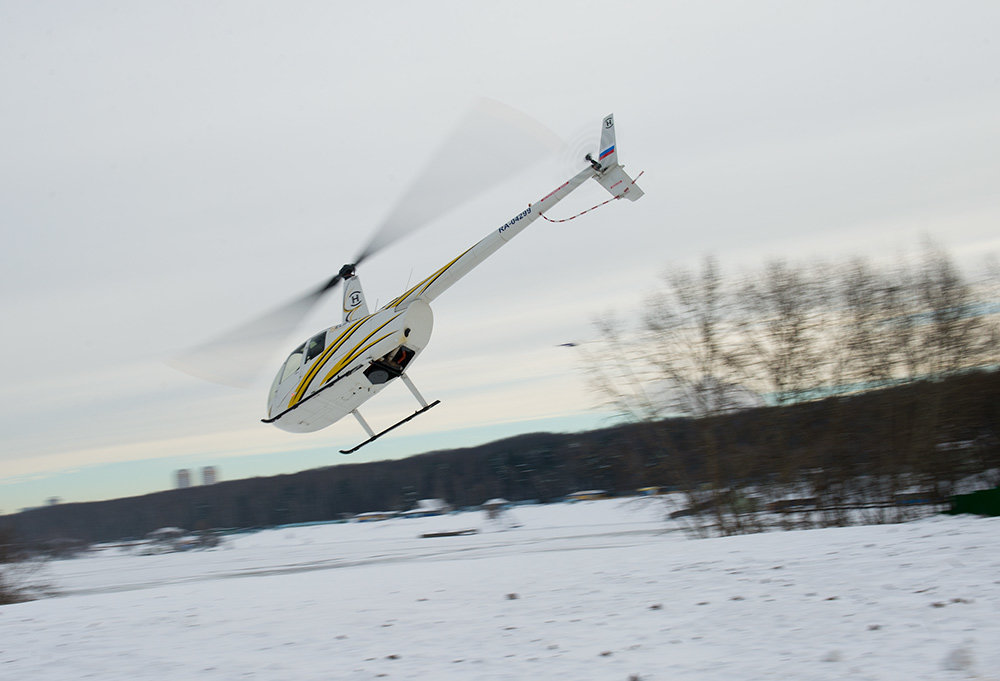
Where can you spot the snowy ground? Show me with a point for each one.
(594, 590)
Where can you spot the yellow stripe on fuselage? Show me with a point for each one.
(437, 275)
(323, 358)
(357, 350)
(426, 282)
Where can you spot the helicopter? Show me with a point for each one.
(330, 375)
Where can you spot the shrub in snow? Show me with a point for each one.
(958, 660)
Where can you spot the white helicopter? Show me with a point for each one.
(337, 370)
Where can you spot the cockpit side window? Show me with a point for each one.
(315, 346)
(292, 363)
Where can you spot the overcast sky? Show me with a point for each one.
(172, 169)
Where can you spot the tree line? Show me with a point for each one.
(849, 452)
(842, 391)
(914, 340)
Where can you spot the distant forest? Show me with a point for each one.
(827, 447)
(852, 390)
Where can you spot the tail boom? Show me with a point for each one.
(608, 173)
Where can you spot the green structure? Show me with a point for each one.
(984, 502)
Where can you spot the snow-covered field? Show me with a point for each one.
(593, 590)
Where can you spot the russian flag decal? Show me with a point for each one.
(606, 152)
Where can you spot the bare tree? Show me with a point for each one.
(680, 363)
(817, 334)
(19, 569)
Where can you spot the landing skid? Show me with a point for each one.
(373, 435)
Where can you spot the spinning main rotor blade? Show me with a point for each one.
(236, 357)
(491, 143)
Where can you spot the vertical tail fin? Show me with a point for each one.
(607, 153)
(610, 174)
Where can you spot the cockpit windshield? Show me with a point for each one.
(315, 346)
(292, 363)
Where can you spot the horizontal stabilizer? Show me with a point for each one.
(617, 181)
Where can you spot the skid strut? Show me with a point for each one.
(372, 435)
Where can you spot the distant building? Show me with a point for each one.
(209, 475)
(495, 507)
(428, 507)
(374, 516)
(183, 478)
(588, 495)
